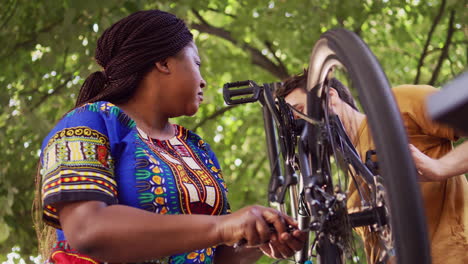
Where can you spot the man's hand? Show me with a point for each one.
(429, 169)
(284, 245)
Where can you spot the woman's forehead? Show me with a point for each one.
(191, 49)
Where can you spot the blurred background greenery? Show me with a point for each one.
(47, 50)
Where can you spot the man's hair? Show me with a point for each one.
(300, 81)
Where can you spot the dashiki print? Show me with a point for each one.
(96, 152)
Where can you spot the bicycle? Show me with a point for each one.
(315, 161)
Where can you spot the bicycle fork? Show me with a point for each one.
(303, 220)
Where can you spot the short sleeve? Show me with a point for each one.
(76, 164)
(412, 101)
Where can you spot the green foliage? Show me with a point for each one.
(47, 49)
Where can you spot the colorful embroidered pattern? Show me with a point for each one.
(155, 190)
(96, 153)
(63, 253)
(199, 256)
(106, 108)
(76, 159)
(186, 169)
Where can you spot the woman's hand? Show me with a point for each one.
(253, 225)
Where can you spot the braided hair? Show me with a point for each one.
(128, 50)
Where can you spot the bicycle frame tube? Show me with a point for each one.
(349, 151)
(279, 184)
(276, 180)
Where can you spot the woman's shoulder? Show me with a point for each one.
(100, 110)
(197, 141)
(99, 117)
(96, 114)
(190, 135)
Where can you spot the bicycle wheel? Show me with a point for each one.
(383, 204)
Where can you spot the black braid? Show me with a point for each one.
(128, 50)
(92, 86)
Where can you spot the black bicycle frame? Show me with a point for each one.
(313, 143)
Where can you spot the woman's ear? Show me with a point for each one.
(162, 66)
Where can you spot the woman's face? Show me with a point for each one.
(186, 92)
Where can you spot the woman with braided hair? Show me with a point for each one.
(120, 183)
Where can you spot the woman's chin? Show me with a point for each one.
(192, 111)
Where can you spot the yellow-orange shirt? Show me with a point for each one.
(445, 202)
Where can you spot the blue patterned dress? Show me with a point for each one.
(97, 153)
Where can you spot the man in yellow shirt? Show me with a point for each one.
(444, 188)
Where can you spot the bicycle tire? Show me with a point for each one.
(408, 225)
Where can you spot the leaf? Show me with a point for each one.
(4, 231)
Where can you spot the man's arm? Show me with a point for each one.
(452, 164)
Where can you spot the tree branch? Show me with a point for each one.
(221, 12)
(44, 97)
(428, 40)
(31, 39)
(269, 45)
(56, 90)
(256, 55)
(445, 49)
(213, 116)
(451, 66)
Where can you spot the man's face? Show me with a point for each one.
(298, 99)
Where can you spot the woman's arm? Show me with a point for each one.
(242, 255)
(119, 233)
